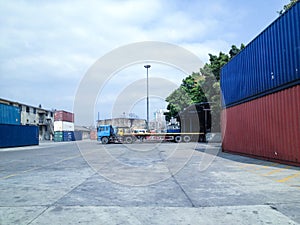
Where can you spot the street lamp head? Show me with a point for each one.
(147, 66)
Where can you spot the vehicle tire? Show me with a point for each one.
(186, 139)
(128, 140)
(178, 139)
(104, 140)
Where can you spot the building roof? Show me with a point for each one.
(9, 102)
(82, 128)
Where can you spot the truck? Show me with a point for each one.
(109, 134)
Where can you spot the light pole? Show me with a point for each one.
(147, 67)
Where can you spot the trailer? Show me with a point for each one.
(109, 134)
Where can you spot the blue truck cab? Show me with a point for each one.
(105, 133)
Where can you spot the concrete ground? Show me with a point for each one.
(144, 183)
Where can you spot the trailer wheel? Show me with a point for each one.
(178, 139)
(128, 140)
(187, 139)
(104, 140)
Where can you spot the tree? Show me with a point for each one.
(202, 86)
(178, 100)
(287, 6)
(234, 50)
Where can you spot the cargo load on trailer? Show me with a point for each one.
(109, 134)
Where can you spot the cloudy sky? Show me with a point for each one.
(47, 47)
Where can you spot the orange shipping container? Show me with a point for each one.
(267, 127)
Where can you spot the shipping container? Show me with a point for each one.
(269, 63)
(10, 114)
(78, 135)
(18, 135)
(64, 116)
(64, 136)
(196, 118)
(63, 126)
(267, 127)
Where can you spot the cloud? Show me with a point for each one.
(46, 47)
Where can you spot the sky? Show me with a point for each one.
(48, 47)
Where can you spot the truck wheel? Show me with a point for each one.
(128, 140)
(178, 139)
(186, 139)
(104, 140)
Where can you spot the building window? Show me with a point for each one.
(51, 114)
(34, 110)
(20, 107)
(27, 109)
(46, 113)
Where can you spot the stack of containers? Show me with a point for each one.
(12, 133)
(63, 126)
(261, 94)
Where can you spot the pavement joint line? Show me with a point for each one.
(44, 210)
(285, 179)
(57, 200)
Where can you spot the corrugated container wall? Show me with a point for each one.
(63, 116)
(10, 114)
(18, 135)
(63, 126)
(267, 127)
(269, 63)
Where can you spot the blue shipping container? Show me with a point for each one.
(68, 136)
(271, 62)
(9, 114)
(18, 135)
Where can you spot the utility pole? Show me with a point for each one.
(147, 67)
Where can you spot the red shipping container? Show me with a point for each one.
(267, 127)
(64, 116)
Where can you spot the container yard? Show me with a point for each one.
(261, 93)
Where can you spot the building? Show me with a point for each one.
(133, 123)
(85, 131)
(31, 115)
(159, 122)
